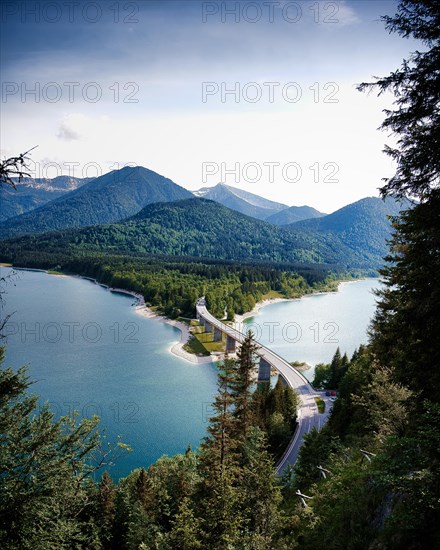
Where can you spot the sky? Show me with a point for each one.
(260, 95)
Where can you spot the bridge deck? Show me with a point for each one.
(308, 415)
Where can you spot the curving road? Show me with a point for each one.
(308, 415)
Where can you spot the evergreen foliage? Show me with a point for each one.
(380, 447)
(46, 494)
(173, 285)
(351, 238)
(106, 199)
(406, 325)
(225, 496)
(415, 120)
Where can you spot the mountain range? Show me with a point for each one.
(205, 229)
(256, 206)
(33, 208)
(241, 201)
(363, 226)
(136, 211)
(106, 199)
(294, 214)
(30, 193)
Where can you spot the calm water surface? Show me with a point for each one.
(87, 349)
(312, 328)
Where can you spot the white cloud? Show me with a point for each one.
(81, 127)
(67, 133)
(177, 144)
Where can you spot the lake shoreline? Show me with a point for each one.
(239, 319)
(87, 350)
(177, 348)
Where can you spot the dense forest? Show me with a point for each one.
(205, 229)
(119, 194)
(380, 452)
(174, 284)
(370, 479)
(224, 495)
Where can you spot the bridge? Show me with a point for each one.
(308, 415)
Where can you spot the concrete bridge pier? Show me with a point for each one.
(230, 344)
(217, 334)
(263, 371)
(208, 327)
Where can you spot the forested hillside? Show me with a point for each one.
(174, 284)
(205, 229)
(30, 193)
(294, 214)
(369, 480)
(109, 198)
(363, 226)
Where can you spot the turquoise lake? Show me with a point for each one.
(312, 328)
(87, 349)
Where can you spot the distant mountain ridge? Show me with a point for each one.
(106, 199)
(242, 201)
(362, 225)
(31, 193)
(256, 206)
(342, 219)
(202, 228)
(294, 214)
(59, 183)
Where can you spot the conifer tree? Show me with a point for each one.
(218, 497)
(334, 367)
(143, 489)
(219, 448)
(45, 498)
(406, 325)
(261, 494)
(242, 394)
(277, 394)
(107, 509)
(415, 118)
(185, 533)
(290, 405)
